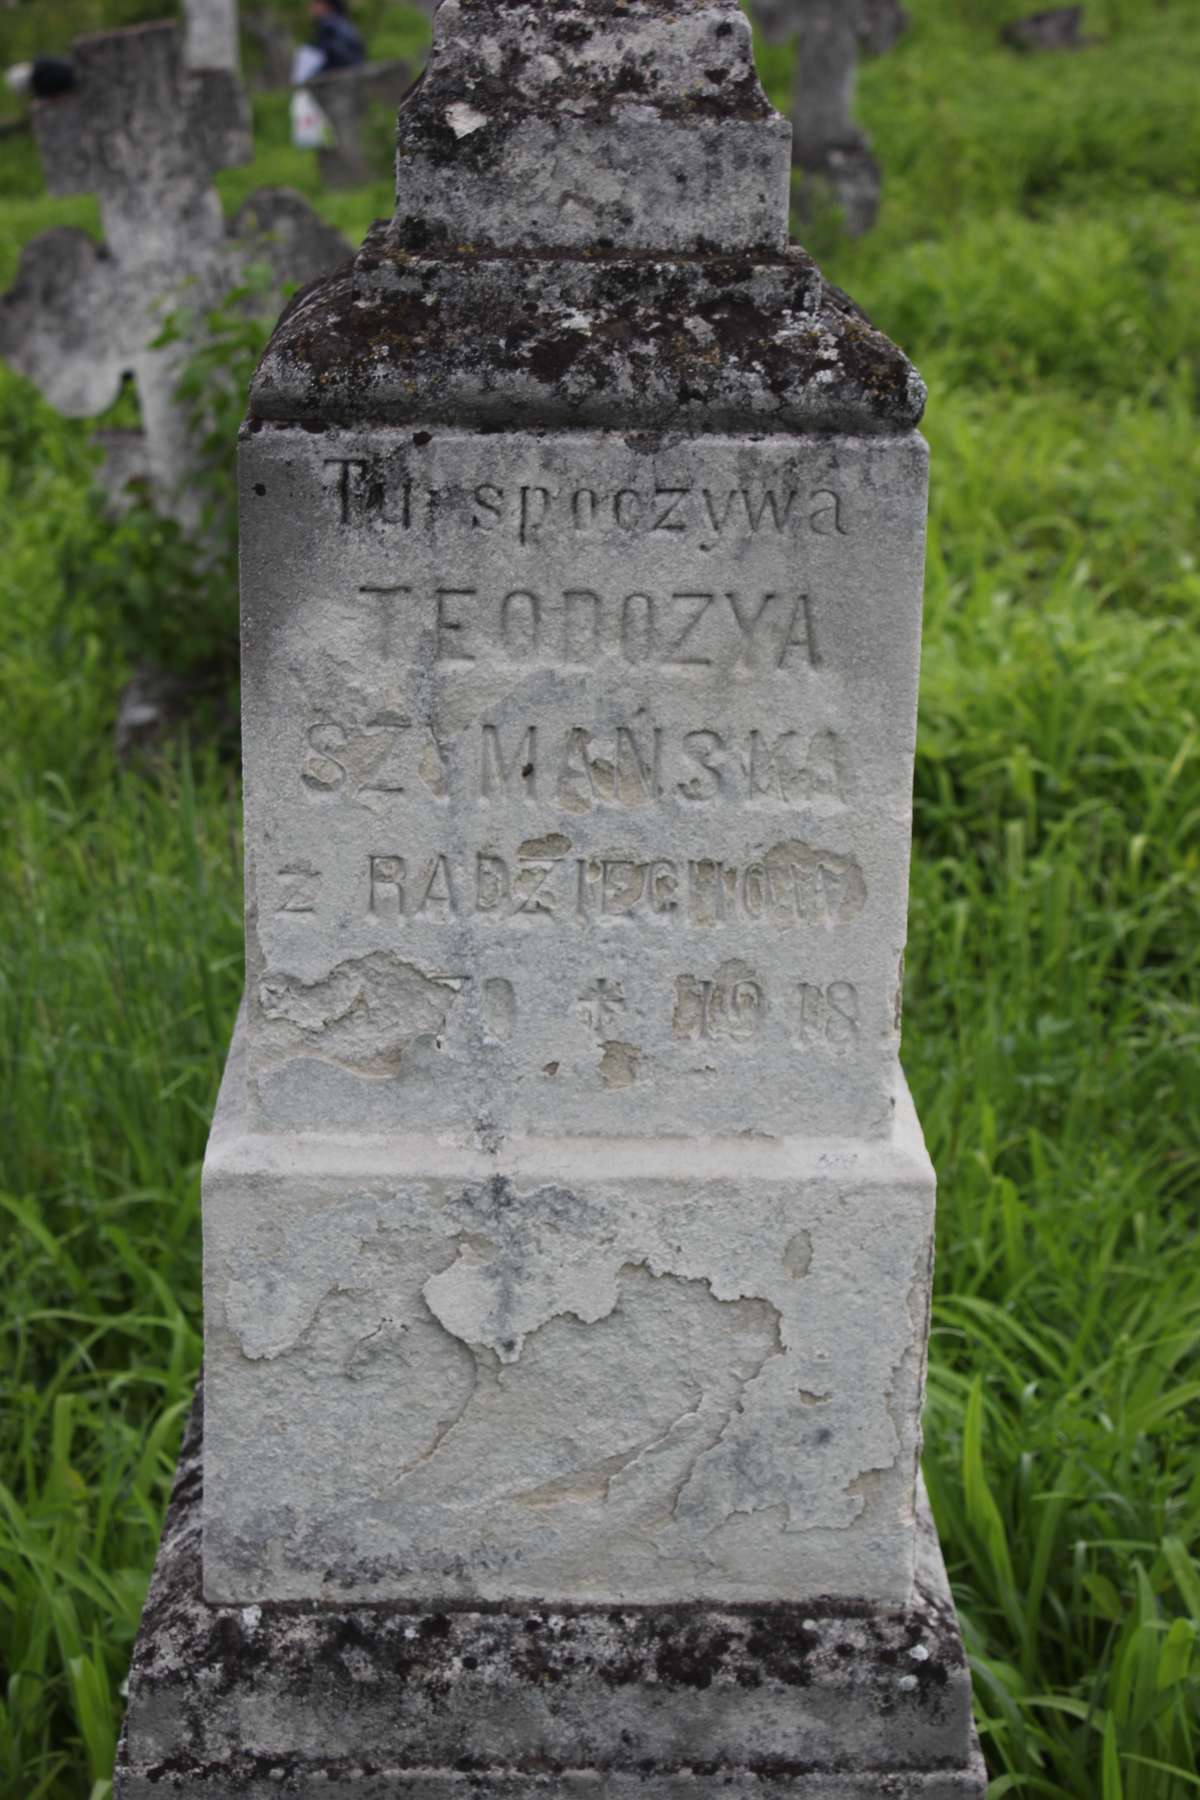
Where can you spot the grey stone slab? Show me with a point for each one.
(594, 1369)
(814, 1701)
(578, 780)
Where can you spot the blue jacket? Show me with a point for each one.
(340, 42)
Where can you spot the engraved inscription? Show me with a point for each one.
(507, 772)
(601, 1005)
(733, 1004)
(749, 633)
(792, 886)
(630, 766)
(828, 1015)
(298, 888)
(376, 491)
(385, 756)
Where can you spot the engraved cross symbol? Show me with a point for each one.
(601, 1004)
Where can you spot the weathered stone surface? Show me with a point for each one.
(602, 1370)
(619, 732)
(146, 133)
(211, 34)
(641, 124)
(818, 1702)
(611, 343)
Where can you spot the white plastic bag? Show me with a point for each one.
(311, 130)
(307, 62)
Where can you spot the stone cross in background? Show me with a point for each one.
(145, 133)
(833, 151)
(211, 34)
(568, 1224)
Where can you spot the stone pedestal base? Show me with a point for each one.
(314, 1702)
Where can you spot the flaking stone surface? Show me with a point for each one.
(815, 1701)
(590, 124)
(601, 1371)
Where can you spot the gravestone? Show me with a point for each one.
(833, 152)
(1057, 28)
(145, 133)
(211, 35)
(345, 95)
(568, 1224)
(276, 49)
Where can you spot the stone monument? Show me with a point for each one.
(145, 132)
(211, 34)
(568, 1226)
(833, 152)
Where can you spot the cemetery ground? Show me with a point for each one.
(1038, 254)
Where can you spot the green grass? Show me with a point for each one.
(1038, 253)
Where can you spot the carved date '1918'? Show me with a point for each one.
(732, 1004)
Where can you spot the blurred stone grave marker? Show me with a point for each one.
(145, 133)
(345, 96)
(568, 1224)
(276, 48)
(1057, 28)
(211, 35)
(831, 149)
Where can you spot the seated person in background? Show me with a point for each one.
(46, 77)
(338, 40)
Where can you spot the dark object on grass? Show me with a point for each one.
(880, 26)
(1058, 28)
(45, 78)
(157, 707)
(52, 76)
